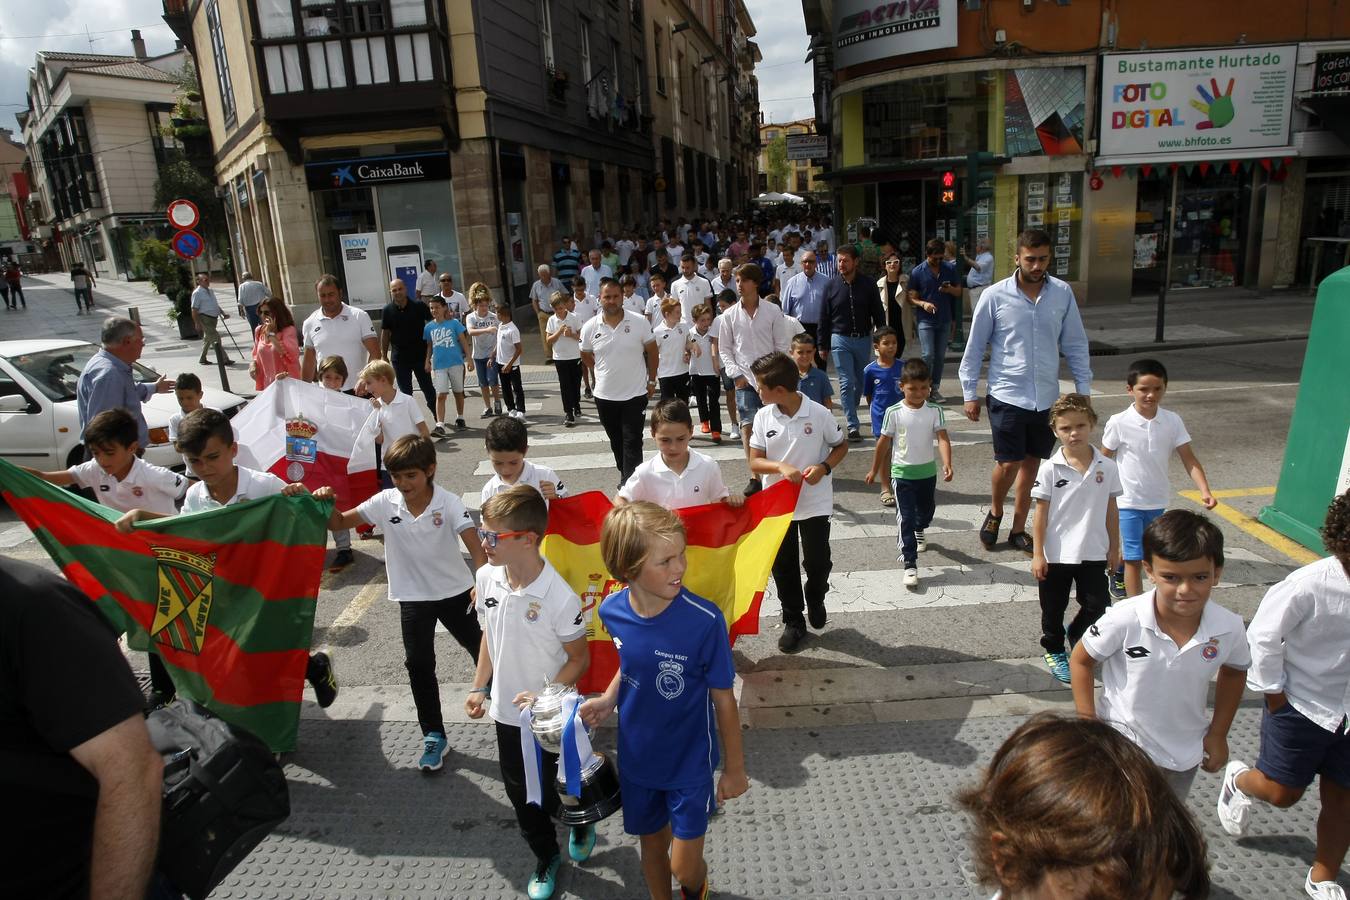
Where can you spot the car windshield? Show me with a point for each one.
(56, 372)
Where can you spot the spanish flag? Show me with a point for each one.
(730, 552)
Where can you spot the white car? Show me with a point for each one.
(39, 423)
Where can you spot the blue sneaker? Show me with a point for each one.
(544, 880)
(581, 842)
(1058, 664)
(434, 748)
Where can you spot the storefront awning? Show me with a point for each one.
(1334, 111)
(1213, 156)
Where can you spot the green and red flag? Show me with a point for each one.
(225, 597)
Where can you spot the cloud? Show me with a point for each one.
(60, 25)
(785, 82)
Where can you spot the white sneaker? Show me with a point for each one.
(1323, 890)
(1234, 806)
(920, 541)
(911, 578)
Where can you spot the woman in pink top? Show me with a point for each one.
(276, 347)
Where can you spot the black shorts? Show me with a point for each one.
(1295, 750)
(1019, 433)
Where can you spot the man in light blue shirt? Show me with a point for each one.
(106, 382)
(206, 312)
(803, 297)
(1026, 321)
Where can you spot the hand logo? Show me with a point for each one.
(1217, 108)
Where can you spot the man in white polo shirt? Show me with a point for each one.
(691, 288)
(618, 346)
(336, 329)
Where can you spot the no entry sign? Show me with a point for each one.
(183, 214)
(187, 244)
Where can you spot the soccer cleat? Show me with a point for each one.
(1058, 664)
(911, 577)
(792, 638)
(705, 428)
(1115, 583)
(580, 843)
(1234, 807)
(920, 542)
(544, 880)
(1323, 890)
(434, 748)
(989, 530)
(322, 677)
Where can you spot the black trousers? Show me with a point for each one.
(405, 369)
(623, 421)
(418, 621)
(569, 384)
(1090, 578)
(536, 823)
(675, 387)
(14, 295)
(814, 534)
(513, 391)
(708, 394)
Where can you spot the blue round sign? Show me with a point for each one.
(187, 244)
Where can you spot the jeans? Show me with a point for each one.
(814, 534)
(251, 313)
(87, 294)
(536, 823)
(851, 355)
(513, 391)
(405, 369)
(707, 390)
(933, 341)
(569, 384)
(418, 621)
(623, 421)
(915, 503)
(1090, 577)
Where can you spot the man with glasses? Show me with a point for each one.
(456, 304)
(803, 298)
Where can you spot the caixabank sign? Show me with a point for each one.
(376, 170)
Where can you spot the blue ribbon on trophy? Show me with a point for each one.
(588, 781)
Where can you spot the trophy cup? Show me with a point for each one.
(588, 781)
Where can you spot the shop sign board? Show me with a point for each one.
(807, 146)
(1331, 74)
(376, 170)
(1196, 101)
(865, 30)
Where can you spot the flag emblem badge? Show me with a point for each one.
(183, 600)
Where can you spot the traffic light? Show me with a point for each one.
(979, 178)
(948, 188)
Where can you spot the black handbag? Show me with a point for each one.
(224, 792)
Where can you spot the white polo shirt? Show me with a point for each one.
(146, 486)
(1077, 527)
(400, 416)
(1143, 449)
(802, 440)
(701, 361)
(530, 474)
(692, 292)
(423, 555)
(635, 303)
(1154, 692)
(670, 344)
(586, 308)
(525, 630)
(700, 482)
(343, 335)
(565, 348)
(508, 335)
(253, 485)
(652, 311)
(593, 276)
(620, 355)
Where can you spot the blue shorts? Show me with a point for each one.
(487, 375)
(747, 404)
(1294, 749)
(1132, 525)
(648, 810)
(728, 383)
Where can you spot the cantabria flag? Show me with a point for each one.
(225, 597)
(307, 433)
(730, 553)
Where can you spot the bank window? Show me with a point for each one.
(656, 60)
(546, 33)
(221, 63)
(1053, 202)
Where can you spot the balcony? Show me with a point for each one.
(177, 18)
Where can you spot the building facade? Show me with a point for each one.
(94, 133)
(1113, 128)
(803, 172)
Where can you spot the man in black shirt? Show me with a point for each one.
(403, 326)
(80, 780)
(851, 311)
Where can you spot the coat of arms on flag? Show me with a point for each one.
(300, 446)
(183, 600)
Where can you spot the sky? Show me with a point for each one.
(32, 25)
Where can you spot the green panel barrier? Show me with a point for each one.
(1317, 454)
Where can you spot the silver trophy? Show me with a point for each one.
(598, 776)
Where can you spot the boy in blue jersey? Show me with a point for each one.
(881, 387)
(675, 675)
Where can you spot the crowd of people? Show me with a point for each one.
(658, 333)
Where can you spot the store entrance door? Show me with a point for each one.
(900, 219)
(1209, 245)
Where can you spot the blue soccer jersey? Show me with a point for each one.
(667, 666)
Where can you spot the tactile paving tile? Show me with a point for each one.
(863, 811)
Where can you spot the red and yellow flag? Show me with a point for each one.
(730, 553)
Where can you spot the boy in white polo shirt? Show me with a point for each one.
(1141, 439)
(507, 444)
(1075, 536)
(796, 438)
(533, 633)
(427, 575)
(676, 477)
(396, 413)
(1160, 650)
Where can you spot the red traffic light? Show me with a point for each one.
(948, 179)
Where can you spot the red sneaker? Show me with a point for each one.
(705, 428)
(717, 437)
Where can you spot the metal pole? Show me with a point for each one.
(1167, 267)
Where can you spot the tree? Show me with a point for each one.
(776, 163)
